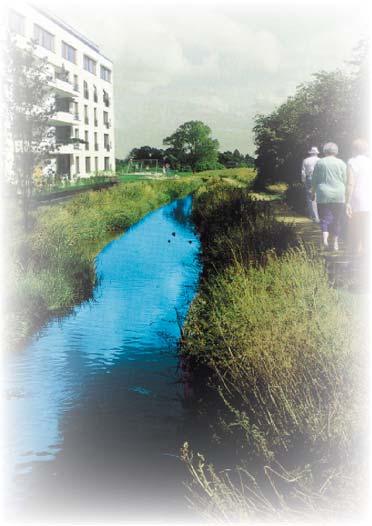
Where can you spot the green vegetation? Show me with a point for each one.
(285, 352)
(333, 106)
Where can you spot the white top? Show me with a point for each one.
(308, 165)
(361, 166)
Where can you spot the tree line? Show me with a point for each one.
(191, 147)
(333, 106)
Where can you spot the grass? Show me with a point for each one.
(286, 352)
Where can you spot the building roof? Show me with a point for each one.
(68, 28)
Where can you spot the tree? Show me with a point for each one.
(146, 152)
(191, 144)
(29, 109)
(325, 109)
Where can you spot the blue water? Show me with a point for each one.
(95, 409)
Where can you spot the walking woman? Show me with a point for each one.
(358, 196)
(329, 188)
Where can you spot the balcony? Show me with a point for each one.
(76, 87)
(76, 117)
(61, 118)
(67, 145)
(76, 146)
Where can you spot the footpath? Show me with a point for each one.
(345, 270)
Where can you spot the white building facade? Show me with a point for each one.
(83, 89)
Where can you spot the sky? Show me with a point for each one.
(220, 62)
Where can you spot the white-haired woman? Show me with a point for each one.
(358, 195)
(329, 187)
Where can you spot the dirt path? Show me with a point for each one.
(345, 270)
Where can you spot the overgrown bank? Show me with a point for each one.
(285, 351)
(52, 266)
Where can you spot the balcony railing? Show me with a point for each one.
(76, 117)
(76, 146)
(62, 75)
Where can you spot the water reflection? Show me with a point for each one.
(95, 410)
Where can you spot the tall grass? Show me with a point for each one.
(286, 353)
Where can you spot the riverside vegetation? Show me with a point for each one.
(285, 352)
(52, 265)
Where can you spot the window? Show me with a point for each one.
(90, 64)
(95, 141)
(44, 38)
(87, 165)
(68, 52)
(86, 118)
(86, 91)
(95, 94)
(106, 142)
(105, 74)
(76, 110)
(77, 164)
(16, 22)
(107, 163)
(106, 99)
(95, 117)
(96, 164)
(86, 138)
(76, 83)
(76, 133)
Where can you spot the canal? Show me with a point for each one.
(95, 409)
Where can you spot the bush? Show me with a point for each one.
(203, 166)
(295, 197)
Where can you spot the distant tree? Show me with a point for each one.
(235, 159)
(29, 108)
(191, 144)
(146, 152)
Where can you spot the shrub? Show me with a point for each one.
(295, 197)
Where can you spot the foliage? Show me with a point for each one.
(29, 108)
(191, 144)
(232, 225)
(235, 159)
(295, 197)
(331, 107)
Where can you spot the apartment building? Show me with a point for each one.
(83, 89)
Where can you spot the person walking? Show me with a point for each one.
(358, 196)
(308, 165)
(329, 188)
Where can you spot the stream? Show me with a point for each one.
(95, 409)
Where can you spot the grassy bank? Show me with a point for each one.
(285, 352)
(52, 267)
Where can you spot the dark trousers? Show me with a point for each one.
(331, 216)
